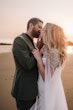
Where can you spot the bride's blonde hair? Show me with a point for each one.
(54, 38)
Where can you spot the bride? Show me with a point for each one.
(50, 88)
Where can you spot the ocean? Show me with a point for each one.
(8, 48)
(5, 48)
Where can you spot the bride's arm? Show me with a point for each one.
(38, 57)
(41, 68)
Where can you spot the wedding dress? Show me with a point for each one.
(51, 92)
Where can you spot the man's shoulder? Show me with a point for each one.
(19, 36)
(18, 39)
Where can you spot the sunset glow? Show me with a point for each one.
(69, 29)
(70, 49)
(14, 15)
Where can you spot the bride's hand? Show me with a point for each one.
(40, 43)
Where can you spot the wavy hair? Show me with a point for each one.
(54, 38)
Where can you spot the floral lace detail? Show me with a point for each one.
(53, 56)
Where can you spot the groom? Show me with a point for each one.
(24, 88)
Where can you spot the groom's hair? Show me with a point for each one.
(34, 21)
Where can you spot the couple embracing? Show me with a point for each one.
(37, 81)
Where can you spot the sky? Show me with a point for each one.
(14, 15)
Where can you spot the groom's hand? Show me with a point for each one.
(39, 44)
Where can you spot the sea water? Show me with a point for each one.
(5, 48)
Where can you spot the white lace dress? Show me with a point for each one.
(51, 92)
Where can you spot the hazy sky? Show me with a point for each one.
(14, 15)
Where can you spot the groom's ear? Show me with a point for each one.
(31, 26)
(39, 44)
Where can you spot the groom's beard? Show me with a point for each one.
(35, 33)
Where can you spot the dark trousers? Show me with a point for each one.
(24, 105)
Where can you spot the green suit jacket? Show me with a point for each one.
(26, 74)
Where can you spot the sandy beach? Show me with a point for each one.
(7, 68)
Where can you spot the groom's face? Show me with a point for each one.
(36, 30)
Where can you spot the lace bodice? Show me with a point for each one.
(53, 57)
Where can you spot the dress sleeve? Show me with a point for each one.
(54, 60)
